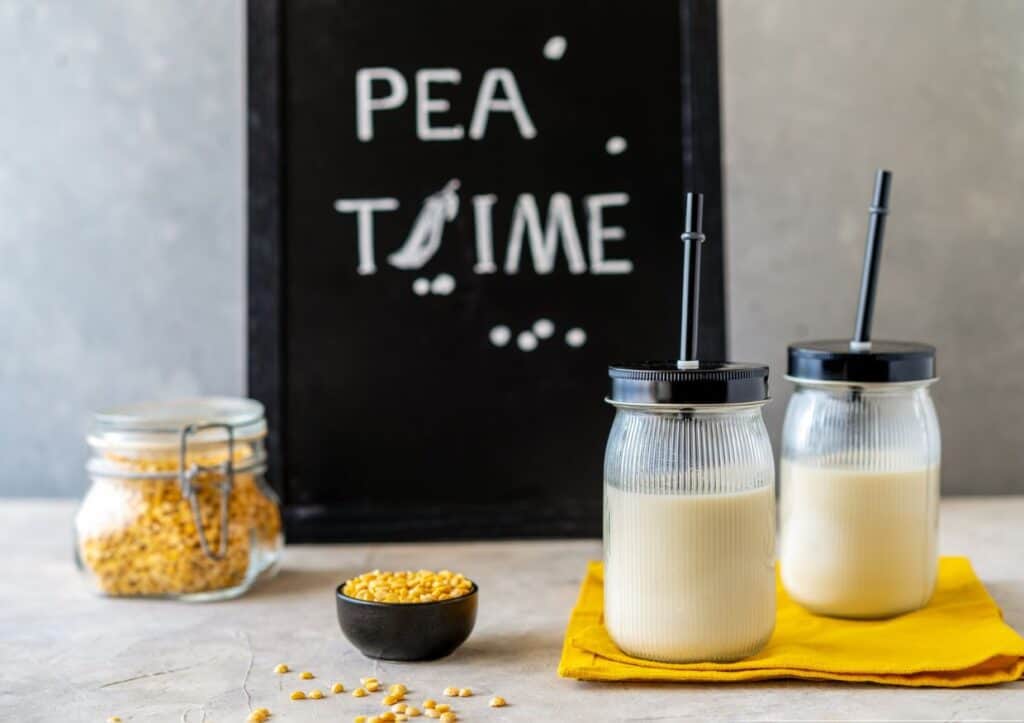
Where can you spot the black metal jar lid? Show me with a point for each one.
(664, 382)
(839, 360)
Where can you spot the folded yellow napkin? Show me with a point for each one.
(959, 639)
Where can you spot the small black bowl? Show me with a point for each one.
(407, 631)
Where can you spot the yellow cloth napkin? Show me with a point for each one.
(959, 639)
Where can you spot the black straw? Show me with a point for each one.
(872, 258)
(692, 238)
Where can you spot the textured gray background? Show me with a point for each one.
(122, 207)
(122, 259)
(816, 95)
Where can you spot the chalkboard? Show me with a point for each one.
(460, 213)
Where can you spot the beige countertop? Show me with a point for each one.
(68, 655)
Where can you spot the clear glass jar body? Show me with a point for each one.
(860, 498)
(140, 533)
(689, 532)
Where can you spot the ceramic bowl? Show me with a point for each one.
(407, 631)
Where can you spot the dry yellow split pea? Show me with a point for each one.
(298, 695)
(387, 715)
(337, 688)
(407, 586)
(113, 719)
(316, 694)
(497, 702)
(397, 707)
(150, 547)
(465, 692)
(359, 719)
(366, 680)
(281, 668)
(451, 691)
(442, 707)
(398, 689)
(258, 716)
(412, 712)
(448, 717)
(359, 693)
(306, 675)
(431, 713)
(429, 703)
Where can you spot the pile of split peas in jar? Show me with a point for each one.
(393, 700)
(137, 536)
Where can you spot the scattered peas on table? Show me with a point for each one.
(393, 700)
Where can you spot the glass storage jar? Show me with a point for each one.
(689, 512)
(860, 479)
(178, 504)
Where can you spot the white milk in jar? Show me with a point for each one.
(860, 479)
(689, 508)
(859, 544)
(690, 576)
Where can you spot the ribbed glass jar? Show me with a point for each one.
(689, 532)
(859, 497)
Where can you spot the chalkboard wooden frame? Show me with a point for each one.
(267, 362)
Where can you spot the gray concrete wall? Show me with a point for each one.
(121, 218)
(122, 206)
(816, 96)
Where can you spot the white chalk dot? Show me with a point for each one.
(543, 328)
(615, 145)
(421, 286)
(500, 335)
(575, 337)
(443, 284)
(555, 47)
(526, 341)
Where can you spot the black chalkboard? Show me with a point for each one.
(460, 213)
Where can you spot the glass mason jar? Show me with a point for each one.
(689, 512)
(860, 479)
(178, 505)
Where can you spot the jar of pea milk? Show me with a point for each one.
(178, 505)
(861, 449)
(689, 512)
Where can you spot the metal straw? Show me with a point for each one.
(872, 260)
(692, 238)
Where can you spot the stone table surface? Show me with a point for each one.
(67, 655)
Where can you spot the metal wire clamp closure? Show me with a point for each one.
(187, 476)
